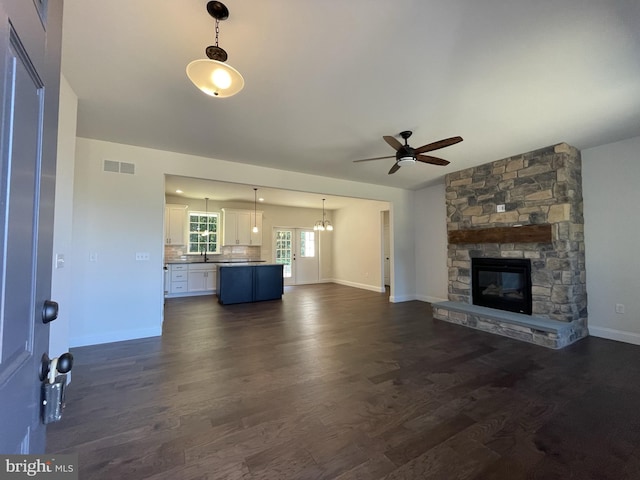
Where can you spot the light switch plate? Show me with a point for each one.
(142, 256)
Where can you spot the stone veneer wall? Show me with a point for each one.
(540, 187)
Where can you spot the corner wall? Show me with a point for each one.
(431, 244)
(61, 278)
(610, 176)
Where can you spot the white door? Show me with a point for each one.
(387, 249)
(297, 249)
(30, 34)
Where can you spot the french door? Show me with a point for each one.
(297, 249)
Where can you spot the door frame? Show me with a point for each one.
(294, 280)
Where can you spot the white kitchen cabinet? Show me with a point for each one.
(179, 275)
(202, 277)
(190, 279)
(175, 224)
(237, 225)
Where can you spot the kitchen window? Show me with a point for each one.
(203, 232)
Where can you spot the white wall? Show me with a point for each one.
(357, 238)
(61, 290)
(610, 178)
(432, 276)
(116, 215)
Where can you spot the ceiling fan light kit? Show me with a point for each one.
(212, 76)
(407, 155)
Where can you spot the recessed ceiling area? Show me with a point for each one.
(198, 188)
(325, 81)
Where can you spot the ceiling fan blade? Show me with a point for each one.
(394, 169)
(369, 159)
(432, 160)
(393, 142)
(439, 144)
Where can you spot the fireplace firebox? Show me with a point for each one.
(502, 283)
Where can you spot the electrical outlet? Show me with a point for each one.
(500, 208)
(142, 256)
(93, 257)
(619, 308)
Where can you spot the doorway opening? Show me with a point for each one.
(298, 250)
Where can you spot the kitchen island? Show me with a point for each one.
(195, 275)
(249, 283)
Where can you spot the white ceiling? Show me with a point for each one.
(325, 80)
(234, 192)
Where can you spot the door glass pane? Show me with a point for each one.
(283, 251)
(307, 244)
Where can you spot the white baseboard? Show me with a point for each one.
(612, 334)
(364, 286)
(401, 298)
(118, 336)
(429, 299)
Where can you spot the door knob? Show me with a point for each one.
(62, 364)
(49, 311)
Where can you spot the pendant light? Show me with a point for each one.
(213, 76)
(255, 211)
(323, 225)
(206, 216)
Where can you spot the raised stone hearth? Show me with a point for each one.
(542, 191)
(528, 328)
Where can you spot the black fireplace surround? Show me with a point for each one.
(502, 283)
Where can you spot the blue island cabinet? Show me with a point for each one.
(249, 283)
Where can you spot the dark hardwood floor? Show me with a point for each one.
(334, 382)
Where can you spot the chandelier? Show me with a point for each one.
(322, 225)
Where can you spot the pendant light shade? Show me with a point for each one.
(215, 78)
(212, 75)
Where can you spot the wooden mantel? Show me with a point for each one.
(522, 234)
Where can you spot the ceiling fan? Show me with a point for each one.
(406, 155)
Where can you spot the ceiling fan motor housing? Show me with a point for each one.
(405, 156)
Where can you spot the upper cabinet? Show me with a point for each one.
(238, 225)
(175, 224)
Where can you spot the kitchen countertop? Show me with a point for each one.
(214, 262)
(247, 264)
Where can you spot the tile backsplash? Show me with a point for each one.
(174, 253)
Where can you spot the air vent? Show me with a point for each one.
(129, 168)
(111, 166)
(119, 167)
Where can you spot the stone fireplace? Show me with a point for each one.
(541, 224)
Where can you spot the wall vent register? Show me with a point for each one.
(119, 167)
